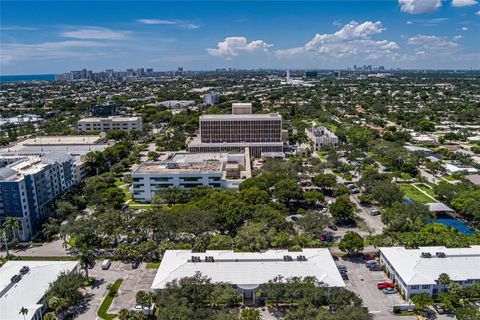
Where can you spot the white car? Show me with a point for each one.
(106, 264)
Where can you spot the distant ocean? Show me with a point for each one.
(27, 77)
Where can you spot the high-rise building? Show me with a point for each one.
(29, 185)
(235, 132)
(103, 109)
(211, 98)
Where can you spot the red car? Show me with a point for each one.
(384, 285)
(323, 237)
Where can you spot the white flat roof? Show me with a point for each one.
(31, 288)
(248, 269)
(235, 117)
(460, 263)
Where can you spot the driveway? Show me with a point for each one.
(48, 249)
(134, 280)
(363, 282)
(374, 223)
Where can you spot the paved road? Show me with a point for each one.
(430, 177)
(49, 249)
(374, 223)
(133, 281)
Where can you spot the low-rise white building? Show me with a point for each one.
(189, 170)
(29, 291)
(417, 270)
(111, 123)
(246, 271)
(321, 136)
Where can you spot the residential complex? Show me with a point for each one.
(246, 271)
(111, 123)
(189, 170)
(29, 185)
(321, 136)
(29, 292)
(418, 270)
(234, 132)
(76, 146)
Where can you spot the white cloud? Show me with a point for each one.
(464, 29)
(16, 28)
(352, 39)
(432, 45)
(12, 52)
(419, 6)
(155, 21)
(233, 46)
(95, 33)
(409, 22)
(181, 24)
(463, 3)
(477, 13)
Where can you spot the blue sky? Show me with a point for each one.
(52, 37)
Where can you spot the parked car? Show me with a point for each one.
(344, 276)
(341, 267)
(333, 227)
(329, 238)
(135, 264)
(355, 191)
(375, 212)
(375, 267)
(24, 270)
(370, 262)
(324, 210)
(106, 264)
(389, 291)
(439, 308)
(295, 218)
(323, 237)
(384, 285)
(368, 257)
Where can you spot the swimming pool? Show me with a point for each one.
(450, 221)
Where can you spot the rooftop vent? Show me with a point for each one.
(301, 258)
(196, 259)
(441, 255)
(287, 258)
(209, 259)
(426, 255)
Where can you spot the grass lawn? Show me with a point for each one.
(139, 206)
(107, 301)
(426, 188)
(414, 194)
(152, 265)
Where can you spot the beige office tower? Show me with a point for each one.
(235, 132)
(241, 108)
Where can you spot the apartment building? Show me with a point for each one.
(211, 98)
(234, 132)
(189, 170)
(321, 136)
(29, 185)
(111, 123)
(415, 271)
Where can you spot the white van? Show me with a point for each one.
(106, 264)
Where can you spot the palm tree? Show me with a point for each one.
(23, 312)
(11, 225)
(4, 235)
(86, 257)
(443, 279)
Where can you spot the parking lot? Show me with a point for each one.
(364, 283)
(134, 280)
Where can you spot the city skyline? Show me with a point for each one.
(53, 37)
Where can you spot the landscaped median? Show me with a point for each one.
(107, 301)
